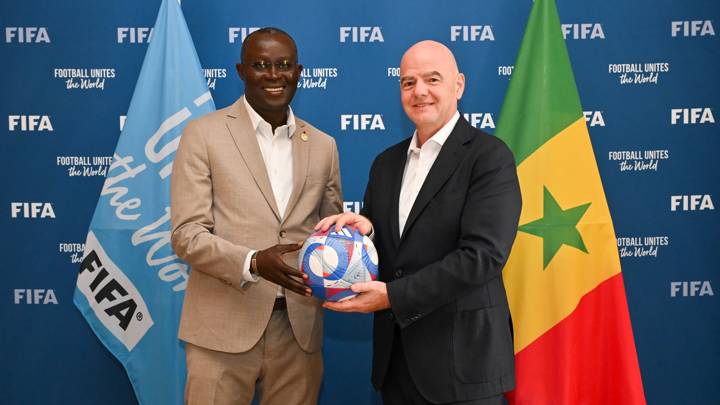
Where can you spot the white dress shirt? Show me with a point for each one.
(276, 149)
(419, 162)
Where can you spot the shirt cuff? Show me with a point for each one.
(247, 276)
(371, 234)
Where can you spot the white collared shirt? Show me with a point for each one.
(276, 149)
(419, 162)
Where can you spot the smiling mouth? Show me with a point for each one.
(274, 90)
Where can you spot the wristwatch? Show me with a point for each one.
(253, 265)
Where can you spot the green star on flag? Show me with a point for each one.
(557, 227)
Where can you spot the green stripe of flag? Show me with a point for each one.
(542, 98)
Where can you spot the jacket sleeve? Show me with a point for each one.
(191, 199)
(332, 202)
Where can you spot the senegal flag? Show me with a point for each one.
(573, 337)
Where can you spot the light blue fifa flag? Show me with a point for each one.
(130, 286)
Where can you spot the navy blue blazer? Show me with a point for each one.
(443, 273)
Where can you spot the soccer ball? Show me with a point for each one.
(334, 261)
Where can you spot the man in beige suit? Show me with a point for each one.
(249, 182)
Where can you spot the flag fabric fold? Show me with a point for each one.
(130, 284)
(573, 336)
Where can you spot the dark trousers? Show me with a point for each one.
(399, 388)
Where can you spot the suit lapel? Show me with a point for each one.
(443, 167)
(239, 124)
(301, 161)
(395, 186)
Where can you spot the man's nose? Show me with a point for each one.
(420, 89)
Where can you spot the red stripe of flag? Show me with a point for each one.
(588, 358)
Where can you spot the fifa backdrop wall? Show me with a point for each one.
(647, 74)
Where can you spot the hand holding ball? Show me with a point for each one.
(334, 261)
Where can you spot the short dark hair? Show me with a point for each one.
(265, 31)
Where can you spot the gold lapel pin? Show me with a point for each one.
(304, 136)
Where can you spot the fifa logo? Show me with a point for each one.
(242, 32)
(111, 295)
(583, 31)
(690, 288)
(122, 306)
(691, 116)
(134, 35)
(29, 123)
(471, 33)
(693, 202)
(35, 296)
(361, 34)
(24, 35)
(361, 122)
(31, 210)
(695, 28)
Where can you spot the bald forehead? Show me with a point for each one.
(429, 56)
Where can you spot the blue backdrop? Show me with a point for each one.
(647, 76)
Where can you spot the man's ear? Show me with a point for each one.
(459, 86)
(240, 70)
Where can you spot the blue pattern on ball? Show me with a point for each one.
(352, 258)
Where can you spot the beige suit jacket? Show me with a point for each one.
(223, 207)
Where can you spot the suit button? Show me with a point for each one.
(398, 273)
(282, 234)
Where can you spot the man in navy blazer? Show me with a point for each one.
(443, 209)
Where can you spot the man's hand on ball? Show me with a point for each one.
(357, 221)
(271, 267)
(372, 296)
